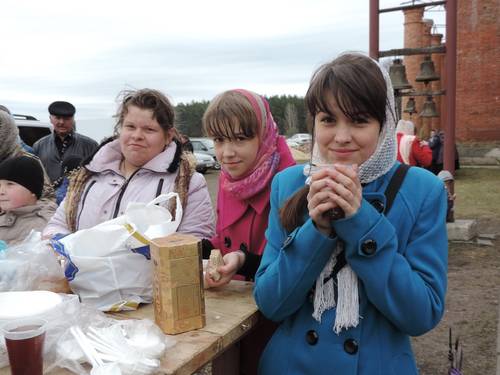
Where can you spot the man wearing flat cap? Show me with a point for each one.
(64, 140)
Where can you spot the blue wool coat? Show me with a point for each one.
(401, 264)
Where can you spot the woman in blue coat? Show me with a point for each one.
(349, 278)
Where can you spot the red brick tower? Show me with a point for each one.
(424, 130)
(477, 117)
(413, 39)
(438, 59)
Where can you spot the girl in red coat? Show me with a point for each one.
(251, 152)
(411, 150)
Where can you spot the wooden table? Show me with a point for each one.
(230, 314)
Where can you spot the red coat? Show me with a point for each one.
(244, 222)
(420, 156)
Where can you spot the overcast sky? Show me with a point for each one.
(86, 52)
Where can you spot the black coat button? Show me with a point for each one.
(244, 247)
(312, 337)
(227, 242)
(369, 247)
(378, 205)
(350, 346)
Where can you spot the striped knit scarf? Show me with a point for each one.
(267, 159)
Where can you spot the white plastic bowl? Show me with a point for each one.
(16, 305)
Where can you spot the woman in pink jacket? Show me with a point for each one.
(251, 152)
(142, 161)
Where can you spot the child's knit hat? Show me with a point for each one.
(24, 170)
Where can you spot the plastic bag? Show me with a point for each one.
(59, 319)
(109, 265)
(31, 265)
(143, 337)
(117, 347)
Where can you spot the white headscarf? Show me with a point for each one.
(378, 164)
(405, 127)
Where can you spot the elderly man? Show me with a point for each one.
(64, 140)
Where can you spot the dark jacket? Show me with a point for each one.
(46, 149)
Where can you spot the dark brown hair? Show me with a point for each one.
(154, 100)
(227, 110)
(358, 86)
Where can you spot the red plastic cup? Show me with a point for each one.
(24, 339)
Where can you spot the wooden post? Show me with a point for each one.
(451, 86)
(374, 29)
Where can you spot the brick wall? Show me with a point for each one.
(478, 70)
(478, 84)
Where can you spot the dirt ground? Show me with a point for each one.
(471, 309)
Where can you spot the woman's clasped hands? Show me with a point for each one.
(332, 188)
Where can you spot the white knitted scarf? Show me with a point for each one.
(381, 161)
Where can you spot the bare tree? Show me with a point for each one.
(291, 119)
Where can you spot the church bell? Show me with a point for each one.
(410, 106)
(427, 71)
(429, 108)
(397, 73)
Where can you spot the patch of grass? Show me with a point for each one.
(478, 193)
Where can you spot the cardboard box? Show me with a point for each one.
(179, 301)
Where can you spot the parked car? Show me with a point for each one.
(203, 162)
(291, 143)
(206, 146)
(31, 129)
(300, 138)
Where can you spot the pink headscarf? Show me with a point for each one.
(267, 158)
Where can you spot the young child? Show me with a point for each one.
(21, 185)
(350, 291)
(251, 152)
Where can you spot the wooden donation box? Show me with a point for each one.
(179, 302)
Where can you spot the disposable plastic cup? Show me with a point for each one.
(24, 339)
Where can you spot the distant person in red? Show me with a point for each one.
(412, 150)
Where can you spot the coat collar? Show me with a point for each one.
(110, 156)
(8, 218)
(231, 209)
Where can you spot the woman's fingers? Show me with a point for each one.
(227, 271)
(318, 205)
(340, 186)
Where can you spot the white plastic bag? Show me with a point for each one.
(125, 347)
(109, 265)
(31, 265)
